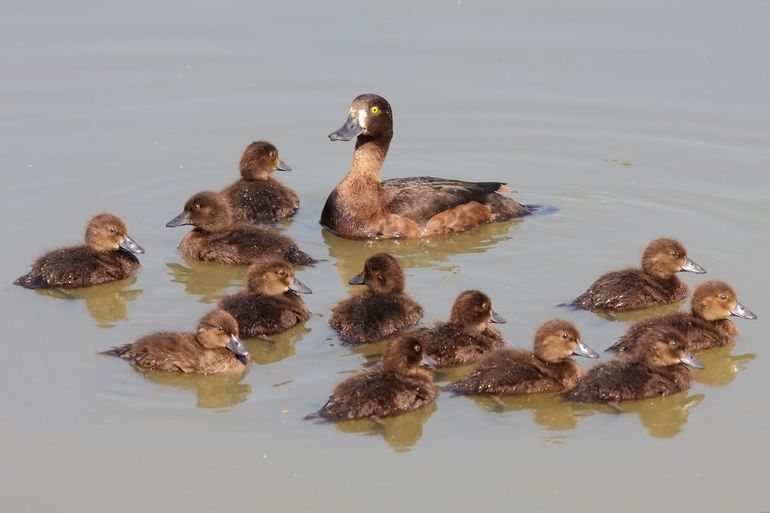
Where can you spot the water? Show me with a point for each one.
(636, 121)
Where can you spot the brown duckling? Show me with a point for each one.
(399, 386)
(384, 310)
(214, 348)
(362, 206)
(271, 304)
(467, 335)
(257, 197)
(515, 372)
(706, 327)
(654, 284)
(217, 238)
(655, 367)
(108, 255)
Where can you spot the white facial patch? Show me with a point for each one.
(362, 118)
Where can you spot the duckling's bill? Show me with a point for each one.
(179, 220)
(130, 244)
(741, 311)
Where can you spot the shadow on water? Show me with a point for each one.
(721, 366)
(106, 304)
(216, 391)
(206, 280)
(275, 348)
(401, 432)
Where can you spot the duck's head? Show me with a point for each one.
(219, 329)
(665, 346)
(272, 276)
(206, 210)
(664, 257)
(107, 232)
(259, 159)
(405, 355)
(382, 274)
(558, 339)
(369, 115)
(714, 300)
(473, 310)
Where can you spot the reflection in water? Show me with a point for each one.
(644, 313)
(721, 366)
(206, 279)
(401, 432)
(106, 303)
(212, 391)
(548, 410)
(277, 347)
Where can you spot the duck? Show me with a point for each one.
(108, 255)
(213, 349)
(384, 310)
(257, 197)
(656, 367)
(654, 284)
(271, 304)
(548, 368)
(706, 327)
(400, 385)
(467, 336)
(218, 238)
(362, 206)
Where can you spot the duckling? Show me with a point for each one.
(706, 327)
(108, 255)
(516, 372)
(653, 284)
(214, 348)
(467, 335)
(362, 206)
(383, 311)
(271, 304)
(216, 238)
(257, 197)
(654, 368)
(399, 386)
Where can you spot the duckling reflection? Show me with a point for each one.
(208, 281)
(548, 411)
(265, 351)
(401, 432)
(633, 316)
(215, 391)
(721, 366)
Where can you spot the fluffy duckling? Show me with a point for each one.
(271, 304)
(515, 372)
(706, 327)
(654, 284)
(257, 197)
(214, 348)
(362, 206)
(216, 238)
(656, 367)
(467, 335)
(108, 255)
(399, 386)
(384, 310)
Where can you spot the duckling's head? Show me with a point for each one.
(107, 232)
(404, 355)
(558, 339)
(259, 159)
(382, 274)
(473, 310)
(664, 257)
(272, 276)
(665, 346)
(714, 300)
(369, 115)
(219, 329)
(206, 210)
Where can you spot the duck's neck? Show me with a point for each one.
(368, 158)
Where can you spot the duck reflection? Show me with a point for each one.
(275, 348)
(721, 366)
(216, 391)
(401, 432)
(106, 304)
(548, 410)
(205, 279)
(633, 316)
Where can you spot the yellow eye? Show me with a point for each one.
(375, 109)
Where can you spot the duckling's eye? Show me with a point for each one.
(675, 254)
(564, 336)
(723, 297)
(484, 306)
(380, 278)
(113, 231)
(281, 273)
(196, 207)
(220, 329)
(272, 154)
(673, 344)
(416, 349)
(375, 109)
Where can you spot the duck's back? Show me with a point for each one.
(259, 314)
(630, 289)
(261, 201)
(78, 266)
(450, 345)
(241, 244)
(369, 317)
(699, 334)
(624, 379)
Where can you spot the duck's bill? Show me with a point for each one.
(236, 346)
(179, 220)
(348, 131)
(497, 318)
(583, 350)
(299, 287)
(282, 166)
(429, 361)
(130, 244)
(358, 279)
(690, 360)
(741, 311)
(692, 267)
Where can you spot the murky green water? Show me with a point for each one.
(636, 121)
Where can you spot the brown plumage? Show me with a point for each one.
(382, 311)
(656, 367)
(654, 284)
(216, 238)
(214, 348)
(108, 255)
(362, 206)
(270, 305)
(467, 336)
(257, 197)
(517, 372)
(706, 327)
(399, 386)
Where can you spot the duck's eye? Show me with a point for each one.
(281, 273)
(113, 231)
(673, 343)
(564, 336)
(220, 329)
(375, 109)
(484, 306)
(675, 254)
(272, 154)
(416, 349)
(196, 207)
(723, 297)
(380, 278)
